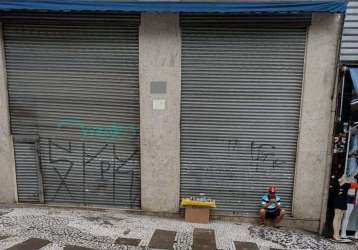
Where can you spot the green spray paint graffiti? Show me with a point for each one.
(115, 130)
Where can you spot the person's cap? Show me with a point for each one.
(271, 189)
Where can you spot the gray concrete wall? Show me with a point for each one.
(160, 60)
(315, 135)
(7, 162)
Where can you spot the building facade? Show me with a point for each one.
(136, 109)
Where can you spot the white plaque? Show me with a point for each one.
(158, 104)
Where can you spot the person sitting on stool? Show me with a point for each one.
(271, 207)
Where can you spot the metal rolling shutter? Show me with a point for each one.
(74, 84)
(26, 172)
(349, 46)
(241, 92)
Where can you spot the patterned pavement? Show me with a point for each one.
(58, 229)
(161, 239)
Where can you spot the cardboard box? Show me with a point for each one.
(197, 214)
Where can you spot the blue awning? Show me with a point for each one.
(333, 6)
(354, 76)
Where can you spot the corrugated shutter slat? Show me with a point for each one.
(241, 93)
(74, 84)
(26, 172)
(349, 44)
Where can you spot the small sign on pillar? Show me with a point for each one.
(158, 89)
(158, 104)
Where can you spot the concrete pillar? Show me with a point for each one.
(315, 135)
(160, 86)
(7, 162)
